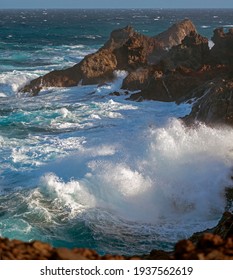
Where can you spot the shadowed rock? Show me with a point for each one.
(215, 106)
(174, 76)
(176, 65)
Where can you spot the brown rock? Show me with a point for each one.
(216, 104)
(126, 49)
(192, 53)
(222, 51)
(209, 240)
(66, 254)
(176, 33)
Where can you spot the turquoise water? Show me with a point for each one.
(82, 168)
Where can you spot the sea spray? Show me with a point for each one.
(80, 168)
(178, 177)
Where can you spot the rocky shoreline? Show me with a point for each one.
(177, 65)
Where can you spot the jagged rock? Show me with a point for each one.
(95, 68)
(173, 77)
(173, 36)
(211, 244)
(192, 53)
(215, 106)
(130, 47)
(126, 49)
(176, 33)
(222, 51)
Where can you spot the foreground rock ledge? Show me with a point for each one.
(201, 246)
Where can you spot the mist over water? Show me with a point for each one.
(82, 168)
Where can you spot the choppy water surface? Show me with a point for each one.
(82, 168)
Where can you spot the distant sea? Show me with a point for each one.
(82, 168)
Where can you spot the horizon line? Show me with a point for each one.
(137, 8)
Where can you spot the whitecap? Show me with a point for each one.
(205, 26)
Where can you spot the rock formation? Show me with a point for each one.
(126, 49)
(176, 33)
(215, 106)
(176, 65)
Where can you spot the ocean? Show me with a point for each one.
(80, 167)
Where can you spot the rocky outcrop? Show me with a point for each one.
(176, 65)
(191, 71)
(175, 76)
(95, 68)
(176, 33)
(214, 98)
(222, 51)
(126, 49)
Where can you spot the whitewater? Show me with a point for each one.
(81, 167)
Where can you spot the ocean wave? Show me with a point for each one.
(11, 82)
(168, 178)
(166, 184)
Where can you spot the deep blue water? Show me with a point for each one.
(81, 168)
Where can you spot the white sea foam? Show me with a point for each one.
(205, 26)
(73, 195)
(210, 44)
(11, 82)
(176, 178)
